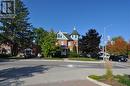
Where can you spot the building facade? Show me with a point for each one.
(69, 41)
(5, 48)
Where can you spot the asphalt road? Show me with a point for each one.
(48, 73)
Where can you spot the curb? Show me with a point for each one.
(41, 60)
(97, 82)
(83, 61)
(63, 61)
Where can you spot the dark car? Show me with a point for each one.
(28, 53)
(83, 55)
(119, 58)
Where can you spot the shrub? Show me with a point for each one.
(128, 52)
(109, 73)
(125, 80)
(83, 59)
(95, 77)
(73, 54)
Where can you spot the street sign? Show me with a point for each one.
(7, 8)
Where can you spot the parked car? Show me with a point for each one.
(104, 55)
(119, 58)
(85, 55)
(28, 53)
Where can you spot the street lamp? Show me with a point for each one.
(104, 42)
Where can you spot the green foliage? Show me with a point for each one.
(74, 49)
(82, 59)
(73, 54)
(48, 43)
(46, 40)
(17, 29)
(124, 79)
(56, 58)
(1, 37)
(109, 74)
(128, 52)
(90, 42)
(95, 77)
(39, 34)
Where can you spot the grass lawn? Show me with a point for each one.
(82, 59)
(117, 80)
(76, 59)
(54, 58)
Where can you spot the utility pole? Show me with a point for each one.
(104, 42)
(104, 46)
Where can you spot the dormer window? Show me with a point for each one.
(59, 36)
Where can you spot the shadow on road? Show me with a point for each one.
(12, 76)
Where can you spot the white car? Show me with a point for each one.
(103, 55)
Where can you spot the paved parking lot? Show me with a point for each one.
(53, 73)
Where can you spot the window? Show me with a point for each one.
(59, 36)
(76, 36)
(62, 42)
(76, 43)
(69, 43)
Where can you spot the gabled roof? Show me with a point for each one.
(63, 34)
(67, 36)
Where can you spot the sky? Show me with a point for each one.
(64, 15)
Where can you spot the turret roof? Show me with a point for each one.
(75, 32)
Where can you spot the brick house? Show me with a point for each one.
(68, 41)
(5, 47)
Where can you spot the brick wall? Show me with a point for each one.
(62, 42)
(69, 44)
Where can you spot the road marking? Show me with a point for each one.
(70, 65)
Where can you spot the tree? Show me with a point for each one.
(129, 46)
(48, 43)
(118, 46)
(90, 42)
(17, 29)
(39, 34)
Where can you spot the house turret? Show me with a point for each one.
(74, 35)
